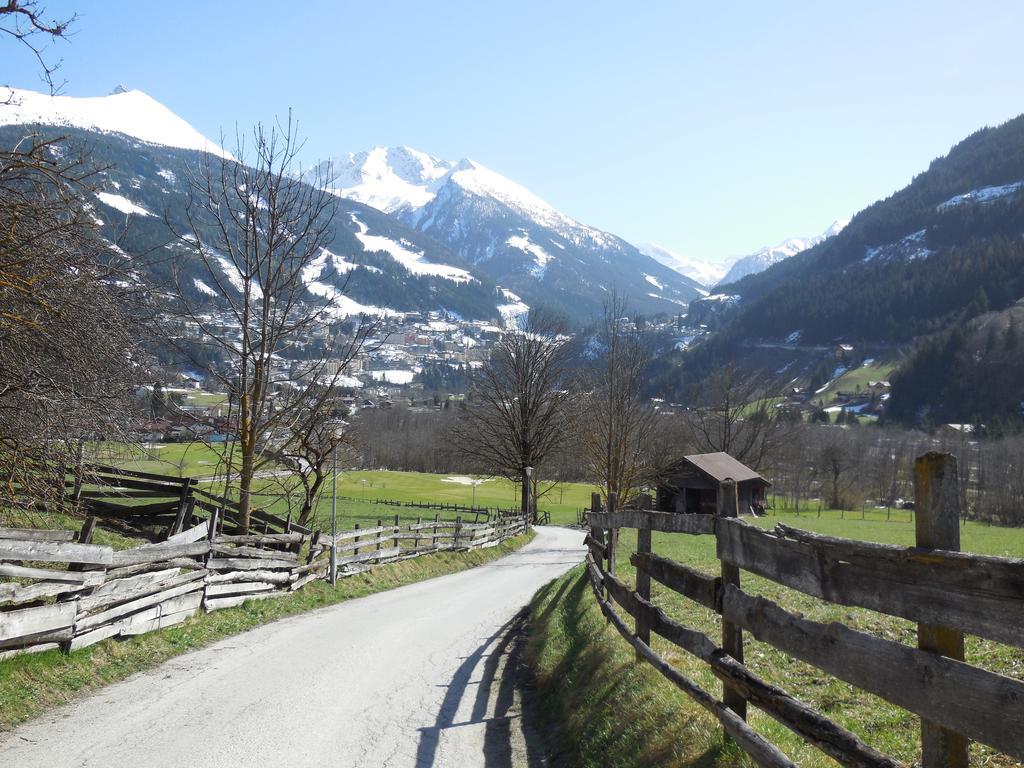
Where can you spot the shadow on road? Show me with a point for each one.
(496, 706)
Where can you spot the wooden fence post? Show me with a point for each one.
(643, 579)
(613, 533)
(458, 531)
(732, 635)
(416, 541)
(76, 494)
(380, 523)
(597, 531)
(937, 526)
(355, 551)
(396, 542)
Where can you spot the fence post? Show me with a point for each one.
(613, 533)
(437, 518)
(732, 635)
(76, 494)
(416, 541)
(458, 530)
(380, 524)
(355, 550)
(597, 531)
(396, 541)
(937, 526)
(643, 579)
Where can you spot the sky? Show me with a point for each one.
(712, 129)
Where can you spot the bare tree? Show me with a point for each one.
(616, 419)
(260, 235)
(736, 414)
(518, 415)
(26, 22)
(67, 354)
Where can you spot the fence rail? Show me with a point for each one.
(945, 591)
(60, 590)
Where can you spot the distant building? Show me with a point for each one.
(691, 485)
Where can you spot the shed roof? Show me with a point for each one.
(721, 466)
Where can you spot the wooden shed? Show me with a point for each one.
(691, 485)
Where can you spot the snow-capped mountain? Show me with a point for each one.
(707, 273)
(500, 229)
(132, 113)
(766, 257)
(146, 155)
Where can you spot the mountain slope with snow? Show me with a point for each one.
(707, 273)
(132, 113)
(500, 229)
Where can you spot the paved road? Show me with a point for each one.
(409, 677)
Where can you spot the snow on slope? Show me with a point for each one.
(540, 256)
(706, 273)
(983, 195)
(514, 311)
(408, 258)
(386, 178)
(132, 113)
(401, 178)
(122, 204)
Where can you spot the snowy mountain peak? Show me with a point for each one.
(710, 274)
(767, 256)
(706, 273)
(402, 178)
(132, 113)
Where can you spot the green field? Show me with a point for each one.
(854, 378)
(573, 642)
(178, 459)
(358, 487)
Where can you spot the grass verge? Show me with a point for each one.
(609, 706)
(33, 684)
(608, 710)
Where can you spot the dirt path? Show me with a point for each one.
(408, 677)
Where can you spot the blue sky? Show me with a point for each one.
(709, 130)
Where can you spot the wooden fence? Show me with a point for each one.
(948, 593)
(59, 590)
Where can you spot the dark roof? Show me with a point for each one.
(721, 466)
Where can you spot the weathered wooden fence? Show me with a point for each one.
(946, 592)
(59, 590)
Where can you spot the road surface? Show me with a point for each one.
(408, 677)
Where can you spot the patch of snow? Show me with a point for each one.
(204, 288)
(412, 260)
(514, 312)
(463, 480)
(122, 204)
(654, 281)
(167, 175)
(132, 113)
(983, 195)
(908, 248)
(724, 298)
(394, 376)
(794, 337)
(540, 256)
